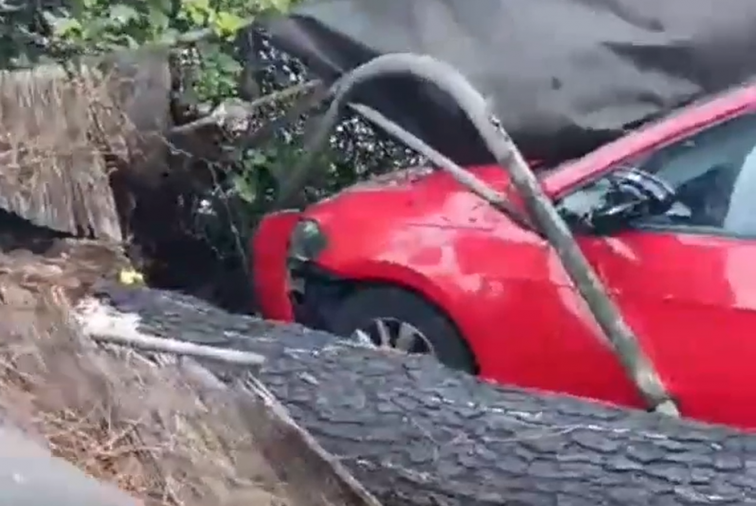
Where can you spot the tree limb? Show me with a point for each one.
(161, 345)
(314, 97)
(626, 346)
(234, 112)
(462, 176)
(102, 325)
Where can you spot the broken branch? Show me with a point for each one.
(144, 342)
(162, 345)
(237, 111)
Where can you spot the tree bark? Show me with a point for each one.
(312, 476)
(414, 432)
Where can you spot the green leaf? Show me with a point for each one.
(226, 63)
(196, 11)
(158, 19)
(244, 188)
(123, 14)
(63, 27)
(255, 157)
(168, 37)
(129, 41)
(227, 23)
(277, 5)
(201, 5)
(162, 5)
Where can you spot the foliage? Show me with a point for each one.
(55, 29)
(217, 64)
(203, 31)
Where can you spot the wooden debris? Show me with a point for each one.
(52, 171)
(64, 130)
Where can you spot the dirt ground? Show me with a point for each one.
(142, 423)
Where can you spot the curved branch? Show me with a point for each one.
(542, 211)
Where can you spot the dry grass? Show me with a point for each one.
(54, 119)
(62, 130)
(123, 418)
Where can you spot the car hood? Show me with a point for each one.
(400, 179)
(417, 196)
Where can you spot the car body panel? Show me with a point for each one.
(268, 265)
(696, 318)
(508, 294)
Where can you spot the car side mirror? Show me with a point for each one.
(634, 193)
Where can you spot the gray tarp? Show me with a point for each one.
(564, 75)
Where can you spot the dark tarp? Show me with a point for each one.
(563, 75)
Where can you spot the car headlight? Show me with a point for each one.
(307, 241)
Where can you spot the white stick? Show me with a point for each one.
(105, 324)
(159, 344)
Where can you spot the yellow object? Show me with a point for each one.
(130, 277)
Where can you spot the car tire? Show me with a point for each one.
(362, 308)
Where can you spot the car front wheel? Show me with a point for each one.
(389, 317)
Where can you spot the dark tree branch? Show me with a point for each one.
(232, 113)
(626, 345)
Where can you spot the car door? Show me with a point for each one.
(685, 280)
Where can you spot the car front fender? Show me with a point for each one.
(267, 264)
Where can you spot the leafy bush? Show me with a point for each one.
(218, 61)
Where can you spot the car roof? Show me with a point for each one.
(679, 123)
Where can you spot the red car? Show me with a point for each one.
(416, 262)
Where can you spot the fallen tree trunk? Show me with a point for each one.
(315, 477)
(312, 476)
(169, 433)
(414, 432)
